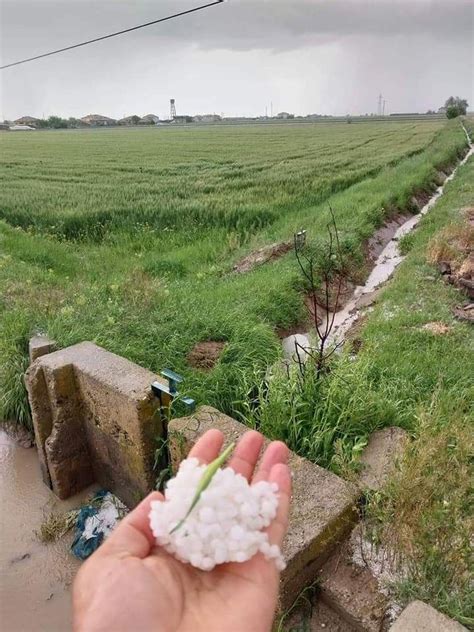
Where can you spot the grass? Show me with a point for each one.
(424, 516)
(128, 237)
(56, 525)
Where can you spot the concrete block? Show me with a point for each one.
(380, 457)
(41, 415)
(323, 505)
(420, 617)
(67, 454)
(40, 345)
(95, 419)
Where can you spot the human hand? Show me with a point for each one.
(131, 585)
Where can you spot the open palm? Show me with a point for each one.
(131, 585)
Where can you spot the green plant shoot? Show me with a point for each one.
(205, 481)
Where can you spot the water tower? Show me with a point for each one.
(172, 109)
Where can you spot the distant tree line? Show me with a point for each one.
(56, 122)
(455, 106)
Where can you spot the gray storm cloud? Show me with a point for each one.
(239, 24)
(330, 56)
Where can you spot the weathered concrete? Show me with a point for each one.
(323, 505)
(95, 419)
(380, 456)
(40, 345)
(420, 617)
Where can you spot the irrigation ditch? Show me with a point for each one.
(347, 313)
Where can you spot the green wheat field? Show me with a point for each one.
(128, 237)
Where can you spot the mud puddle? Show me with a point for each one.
(364, 295)
(35, 578)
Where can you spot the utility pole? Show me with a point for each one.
(379, 105)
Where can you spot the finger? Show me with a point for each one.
(208, 446)
(133, 535)
(280, 474)
(277, 452)
(246, 453)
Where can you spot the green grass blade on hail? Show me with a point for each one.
(205, 481)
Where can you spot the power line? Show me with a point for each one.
(104, 37)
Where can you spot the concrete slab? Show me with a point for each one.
(95, 419)
(323, 505)
(380, 456)
(40, 345)
(420, 617)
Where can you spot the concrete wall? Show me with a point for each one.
(95, 419)
(323, 508)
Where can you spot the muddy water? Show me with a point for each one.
(35, 578)
(385, 265)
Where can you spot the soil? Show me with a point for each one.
(299, 328)
(465, 313)
(347, 597)
(206, 354)
(262, 255)
(420, 199)
(316, 617)
(453, 253)
(20, 435)
(437, 328)
(353, 592)
(384, 234)
(346, 291)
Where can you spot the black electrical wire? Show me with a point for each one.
(104, 37)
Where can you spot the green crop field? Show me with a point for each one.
(128, 237)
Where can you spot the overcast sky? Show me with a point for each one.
(304, 56)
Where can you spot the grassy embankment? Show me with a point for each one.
(127, 238)
(425, 514)
(421, 379)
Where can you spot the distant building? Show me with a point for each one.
(285, 115)
(22, 128)
(238, 119)
(149, 119)
(97, 120)
(183, 118)
(207, 118)
(31, 121)
(129, 120)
